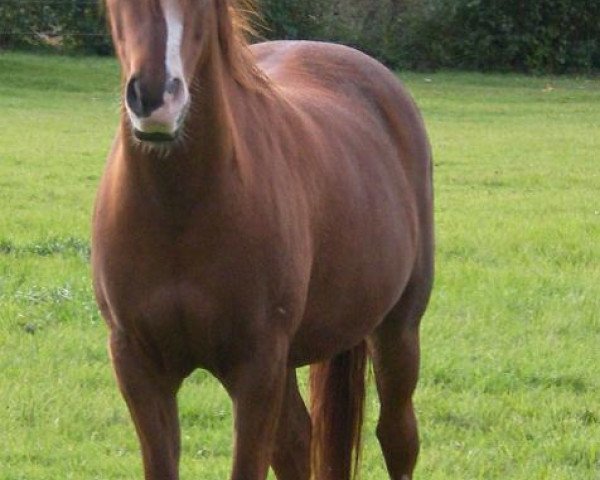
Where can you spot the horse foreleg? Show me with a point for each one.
(151, 399)
(257, 389)
(291, 457)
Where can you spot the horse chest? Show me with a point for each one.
(191, 301)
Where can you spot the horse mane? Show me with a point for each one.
(245, 16)
(237, 24)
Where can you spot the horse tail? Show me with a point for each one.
(337, 391)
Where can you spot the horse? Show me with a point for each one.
(263, 207)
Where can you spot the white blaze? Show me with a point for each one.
(174, 20)
(167, 118)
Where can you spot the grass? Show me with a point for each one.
(509, 386)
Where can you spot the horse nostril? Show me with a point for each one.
(174, 86)
(134, 97)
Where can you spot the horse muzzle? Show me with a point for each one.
(156, 112)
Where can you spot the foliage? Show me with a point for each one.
(364, 24)
(553, 36)
(291, 19)
(64, 25)
(543, 36)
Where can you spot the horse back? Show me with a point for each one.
(311, 72)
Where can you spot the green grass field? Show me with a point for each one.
(510, 384)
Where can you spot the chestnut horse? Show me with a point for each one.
(263, 208)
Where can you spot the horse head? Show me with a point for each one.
(158, 46)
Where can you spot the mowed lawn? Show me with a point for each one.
(510, 384)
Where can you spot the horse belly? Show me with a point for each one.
(348, 299)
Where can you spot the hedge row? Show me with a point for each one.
(67, 25)
(552, 36)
